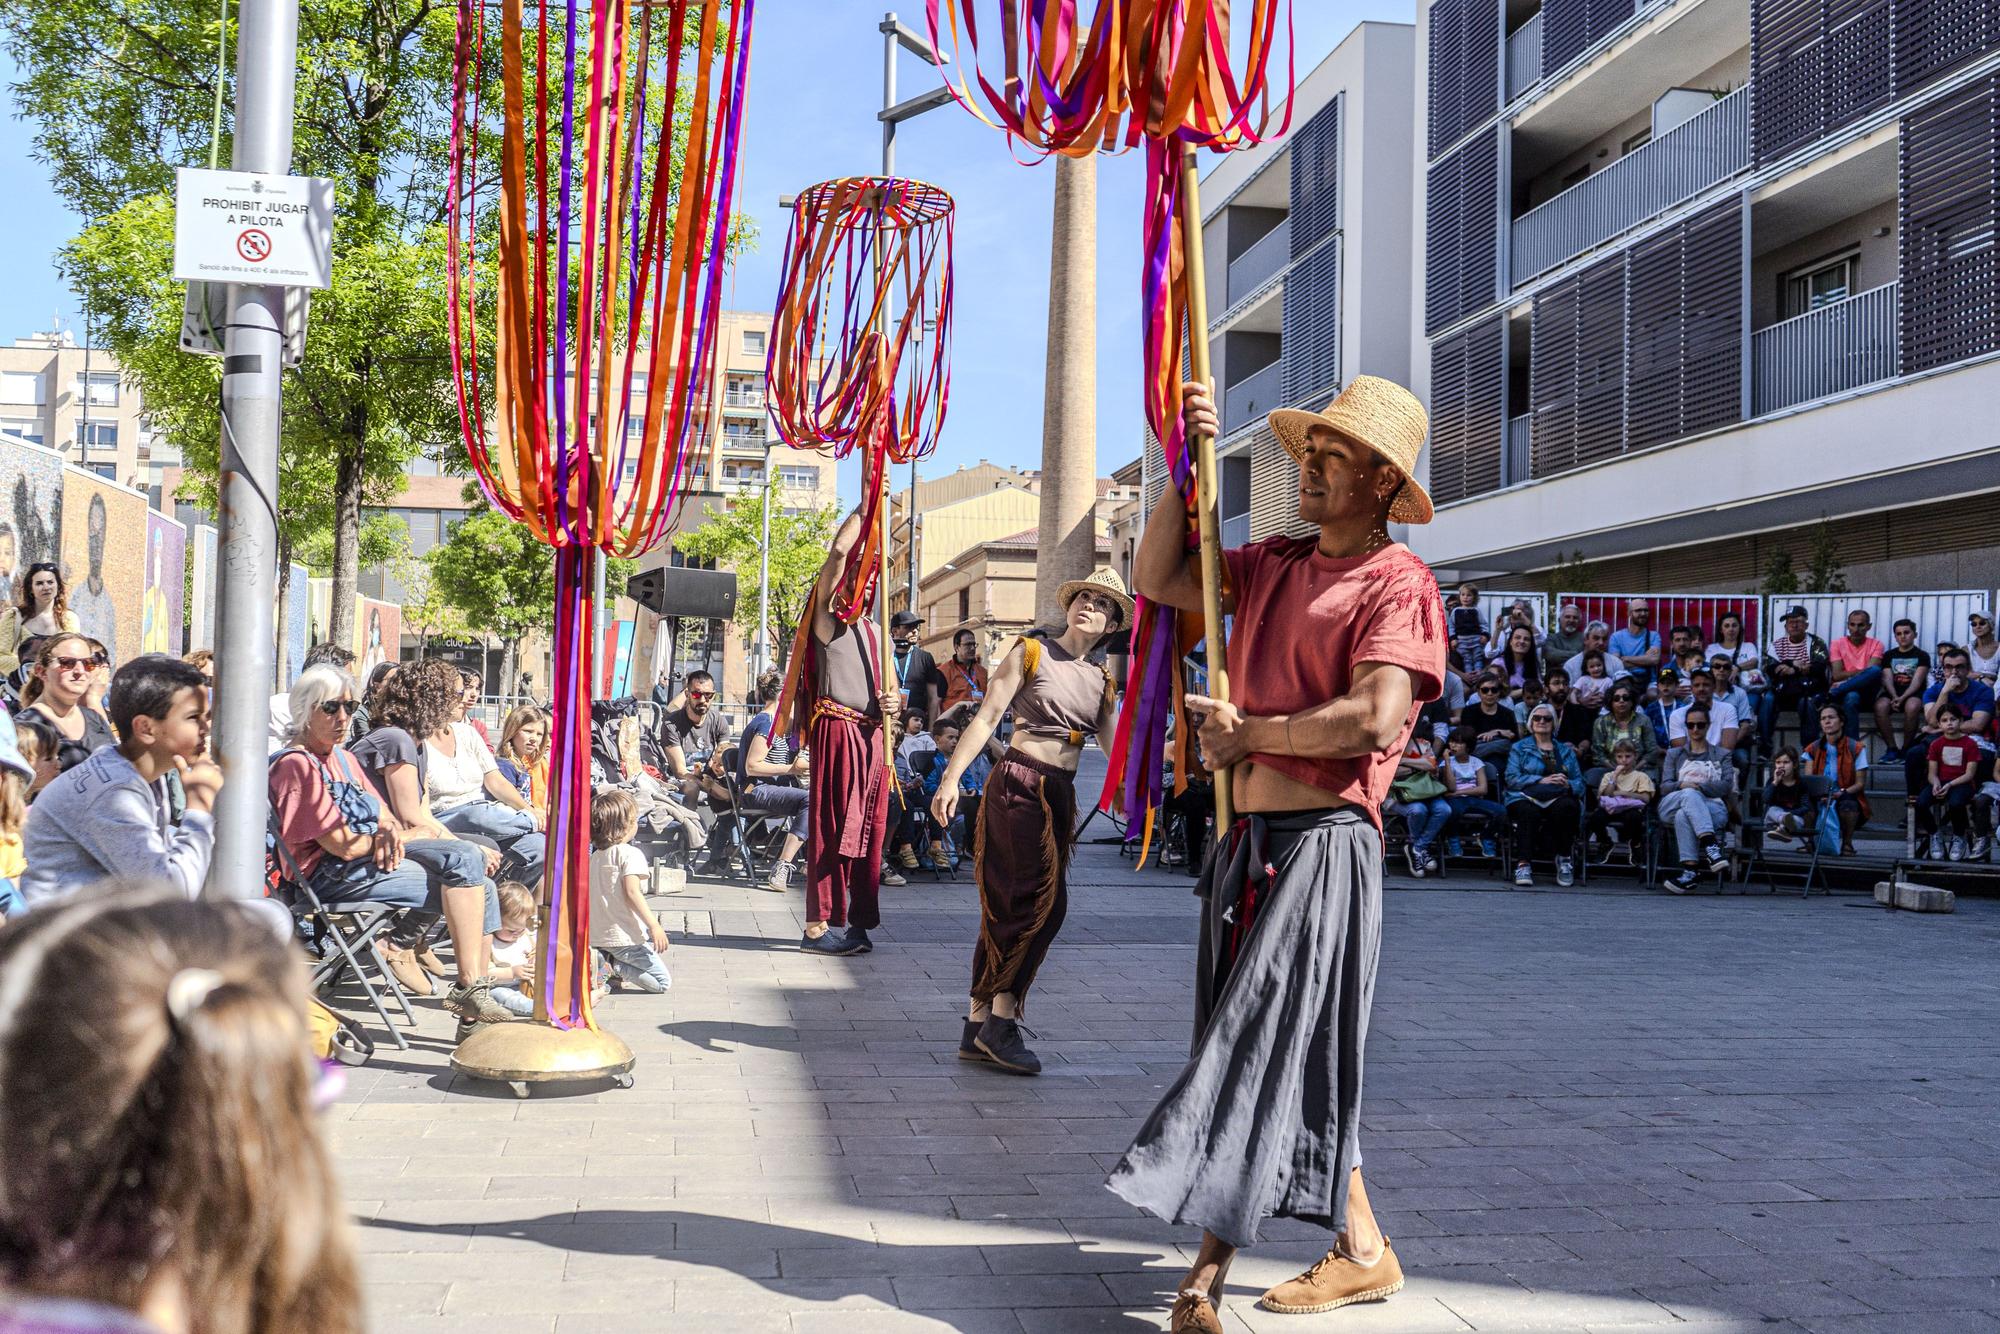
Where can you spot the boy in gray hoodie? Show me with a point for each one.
(108, 816)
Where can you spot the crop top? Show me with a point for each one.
(1061, 696)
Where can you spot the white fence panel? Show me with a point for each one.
(1940, 616)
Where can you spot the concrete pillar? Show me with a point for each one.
(1067, 537)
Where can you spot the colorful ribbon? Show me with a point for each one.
(588, 410)
(1156, 71)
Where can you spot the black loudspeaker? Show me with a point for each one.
(675, 590)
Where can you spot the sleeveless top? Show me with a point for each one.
(847, 671)
(1061, 695)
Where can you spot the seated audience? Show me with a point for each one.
(1730, 643)
(770, 772)
(622, 928)
(1945, 806)
(1469, 793)
(1906, 675)
(1694, 783)
(1638, 644)
(1789, 813)
(1623, 794)
(1983, 647)
(1841, 758)
(1722, 722)
(1493, 724)
(319, 655)
(352, 848)
(164, 1167)
(40, 609)
(1565, 641)
(1622, 720)
(372, 689)
(523, 756)
(1531, 695)
(972, 786)
(1855, 672)
(514, 942)
(1954, 691)
(1591, 682)
(1796, 668)
(1516, 662)
(56, 695)
(108, 816)
(1596, 639)
(467, 793)
(16, 772)
(1418, 794)
(1544, 799)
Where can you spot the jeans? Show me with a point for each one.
(1856, 693)
(429, 866)
(513, 1000)
(1426, 820)
(1917, 765)
(521, 844)
(1789, 694)
(1491, 814)
(1956, 804)
(638, 965)
(1694, 817)
(788, 802)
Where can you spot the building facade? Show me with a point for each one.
(1701, 275)
(76, 400)
(1293, 313)
(989, 588)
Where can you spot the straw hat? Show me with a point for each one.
(1379, 414)
(1102, 580)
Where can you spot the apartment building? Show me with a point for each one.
(76, 399)
(1698, 275)
(1293, 312)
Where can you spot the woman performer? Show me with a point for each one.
(1337, 639)
(1027, 819)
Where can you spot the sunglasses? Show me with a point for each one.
(1697, 722)
(335, 708)
(1621, 699)
(1489, 690)
(69, 664)
(701, 694)
(42, 567)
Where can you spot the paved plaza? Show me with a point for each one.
(1586, 1110)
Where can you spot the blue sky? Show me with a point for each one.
(815, 88)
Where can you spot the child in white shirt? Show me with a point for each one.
(622, 928)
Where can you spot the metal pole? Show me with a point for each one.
(246, 577)
(910, 512)
(764, 575)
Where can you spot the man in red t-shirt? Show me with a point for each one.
(1337, 639)
(1954, 765)
(1856, 658)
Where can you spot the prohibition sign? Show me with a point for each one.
(254, 246)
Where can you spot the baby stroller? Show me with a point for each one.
(620, 739)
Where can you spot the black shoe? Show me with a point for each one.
(834, 940)
(968, 1043)
(1686, 880)
(1714, 857)
(863, 944)
(1000, 1039)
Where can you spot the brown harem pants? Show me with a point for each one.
(1027, 825)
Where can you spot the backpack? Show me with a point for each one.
(335, 1037)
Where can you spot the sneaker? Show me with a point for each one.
(1000, 1039)
(1432, 866)
(940, 858)
(405, 968)
(860, 939)
(1781, 842)
(968, 1043)
(1891, 756)
(1981, 846)
(1489, 848)
(1524, 875)
(1336, 1281)
(1937, 848)
(1686, 879)
(1956, 849)
(1565, 872)
(907, 855)
(834, 941)
(475, 1004)
(1714, 857)
(1413, 857)
(893, 878)
(1454, 846)
(780, 878)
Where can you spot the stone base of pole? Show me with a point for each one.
(528, 1052)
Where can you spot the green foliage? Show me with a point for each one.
(493, 572)
(385, 540)
(1572, 574)
(1824, 571)
(799, 543)
(1780, 580)
(427, 612)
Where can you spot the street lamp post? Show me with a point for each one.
(764, 573)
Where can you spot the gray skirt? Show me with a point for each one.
(1264, 1122)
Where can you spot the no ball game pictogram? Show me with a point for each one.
(254, 246)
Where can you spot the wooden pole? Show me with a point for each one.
(1205, 487)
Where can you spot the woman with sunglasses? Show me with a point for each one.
(1984, 647)
(58, 695)
(1623, 720)
(1697, 778)
(1495, 726)
(1544, 799)
(41, 609)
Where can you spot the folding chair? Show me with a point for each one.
(355, 930)
(750, 830)
(1820, 793)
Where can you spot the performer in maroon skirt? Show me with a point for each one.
(1336, 640)
(1027, 815)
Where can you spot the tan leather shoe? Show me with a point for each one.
(1337, 1281)
(1193, 1313)
(408, 972)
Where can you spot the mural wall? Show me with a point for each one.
(104, 559)
(378, 634)
(201, 620)
(31, 516)
(161, 625)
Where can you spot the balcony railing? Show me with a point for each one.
(1524, 57)
(1514, 467)
(1260, 263)
(1236, 531)
(1683, 162)
(1252, 397)
(748, 398)
(1842, 345)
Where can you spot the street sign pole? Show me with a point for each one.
(247, 564)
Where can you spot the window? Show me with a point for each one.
(1576, 177)
(97, 435)
(798, 477)
(108, 471)
(965, 604)
(28, 428)
(102, 389)
(753, 342)
(23, 387)
(1636, 142)
(1819, 283)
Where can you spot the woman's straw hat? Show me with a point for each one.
(1102, 580)
(1380, 414)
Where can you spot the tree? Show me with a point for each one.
(1824, 571)
(1780, 580)
(384, 540)
(799, 543)
(1572, 574)
(427, 613)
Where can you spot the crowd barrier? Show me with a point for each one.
(1670, 610)
(1940, 616)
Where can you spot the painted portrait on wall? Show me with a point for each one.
(31, 484)
(104, 559)
(161, 623)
